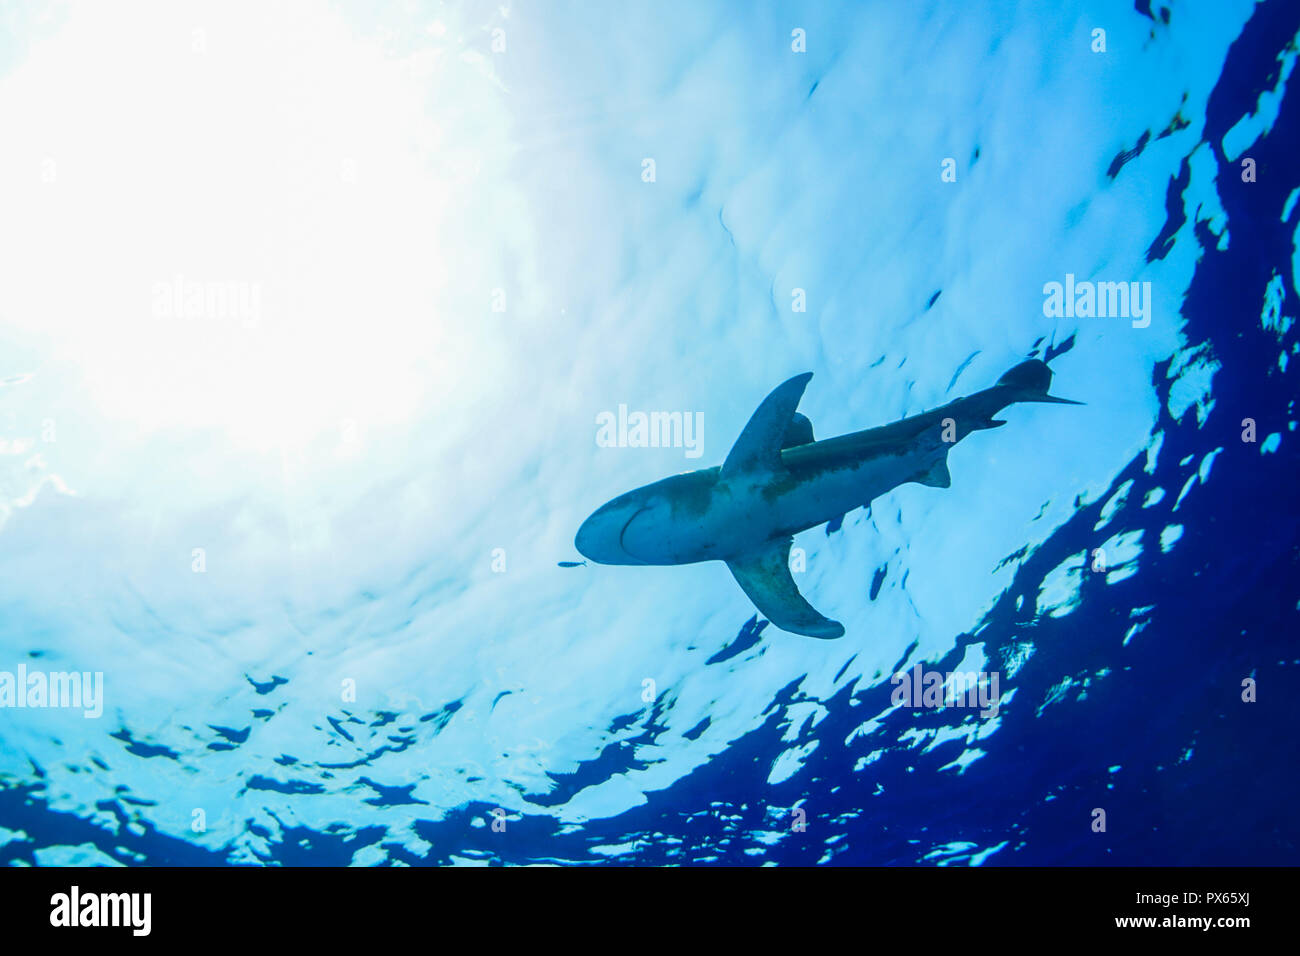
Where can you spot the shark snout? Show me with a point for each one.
(600, 537)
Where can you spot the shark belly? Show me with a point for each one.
(833, 491)
(738, 517)
(741, 515)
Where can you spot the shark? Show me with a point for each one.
(777, 481)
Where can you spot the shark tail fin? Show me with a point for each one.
(1031, 380)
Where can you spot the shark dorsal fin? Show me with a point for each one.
(934, 472)
(937, 475)
(764, 575)
(798, 432)
(759, 445)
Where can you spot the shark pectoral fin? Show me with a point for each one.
(764, 575)
(759, 445)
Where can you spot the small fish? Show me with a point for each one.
(572, 564)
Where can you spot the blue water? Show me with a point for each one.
(313, 546)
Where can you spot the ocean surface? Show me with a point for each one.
(309, 314)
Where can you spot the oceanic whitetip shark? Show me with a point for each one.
(777, 481)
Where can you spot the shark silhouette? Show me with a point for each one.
(777, 481)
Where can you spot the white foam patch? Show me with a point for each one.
(1193, 377)
(1121, 553)
(85, 854)
(1170, 536)
(1187, 486)
(1113, 504)
(1059, 593)
(1271, 316)
(1250, 127)
(1153, 452)
(1289, 204)
(790, 760)
(1207, 463)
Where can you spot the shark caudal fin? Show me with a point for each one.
(1031, 380)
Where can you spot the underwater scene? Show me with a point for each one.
(649, 433)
